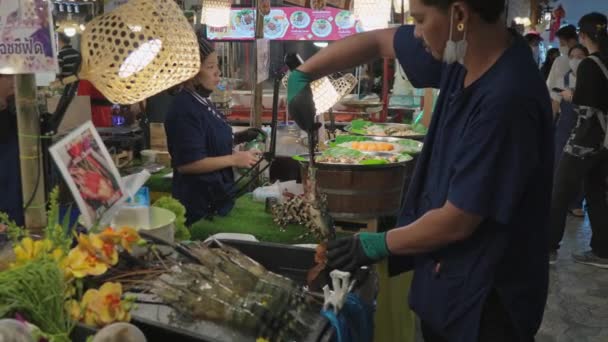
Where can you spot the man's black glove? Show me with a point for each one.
(248, 135)
(348, 254)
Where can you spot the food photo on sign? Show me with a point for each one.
(289, 23)
(89, 172)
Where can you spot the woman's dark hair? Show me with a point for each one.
(579, 47)
(488, 10)
(553, 52)
(595, 27)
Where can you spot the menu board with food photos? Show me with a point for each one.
(289, 23)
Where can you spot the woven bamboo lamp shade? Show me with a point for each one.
(138, 50)
(326, 92)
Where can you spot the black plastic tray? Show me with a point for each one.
(290, 261)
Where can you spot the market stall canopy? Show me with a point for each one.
(138, 50)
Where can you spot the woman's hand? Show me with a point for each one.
(245, 159)
(567, 95)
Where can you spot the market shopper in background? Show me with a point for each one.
(69, 58)
(552, 55)
(10, 176)
(568, 38)
(477, 208)
(534, 39)
(585, 156)
(566, 120)
(200, 142)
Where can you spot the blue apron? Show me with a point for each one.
(197, 130)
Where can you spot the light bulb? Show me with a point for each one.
(140, 58)
(69, 31)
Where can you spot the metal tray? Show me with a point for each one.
(160, 323)
(418, 137)
(356, 167)
(393, 140)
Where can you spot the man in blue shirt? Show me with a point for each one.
(476, 212)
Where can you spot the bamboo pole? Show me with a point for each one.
(32, 175)
(258, 93)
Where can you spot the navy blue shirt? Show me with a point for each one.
(489, 151)
(196, 130)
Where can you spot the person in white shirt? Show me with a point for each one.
(567, 117)
(568, 38)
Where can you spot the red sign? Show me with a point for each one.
(289, 23)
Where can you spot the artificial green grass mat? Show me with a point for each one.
(157, 182)
(250, 217)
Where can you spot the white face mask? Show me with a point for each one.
(574, 63)
(564, 50)
(455, 51)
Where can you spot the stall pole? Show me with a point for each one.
(385, 90)
(32, 175)
(257, 110)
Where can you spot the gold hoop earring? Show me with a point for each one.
(460, 27)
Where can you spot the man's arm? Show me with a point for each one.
(435, 229)
(351, 52)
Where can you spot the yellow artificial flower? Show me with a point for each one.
(29, 249)
(110, 235)
(94, 245)
(80, 263)
(104, 306)
(74, 309)
(126, 236)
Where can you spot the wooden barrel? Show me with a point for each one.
(362, 192)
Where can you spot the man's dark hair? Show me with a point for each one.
(489, 10)
(567, 32)
(63, 38)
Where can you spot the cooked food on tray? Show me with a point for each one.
(377, 144)
(343, 155)
(362, 127)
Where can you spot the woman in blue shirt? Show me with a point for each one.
(200, 142)
(477, 207)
